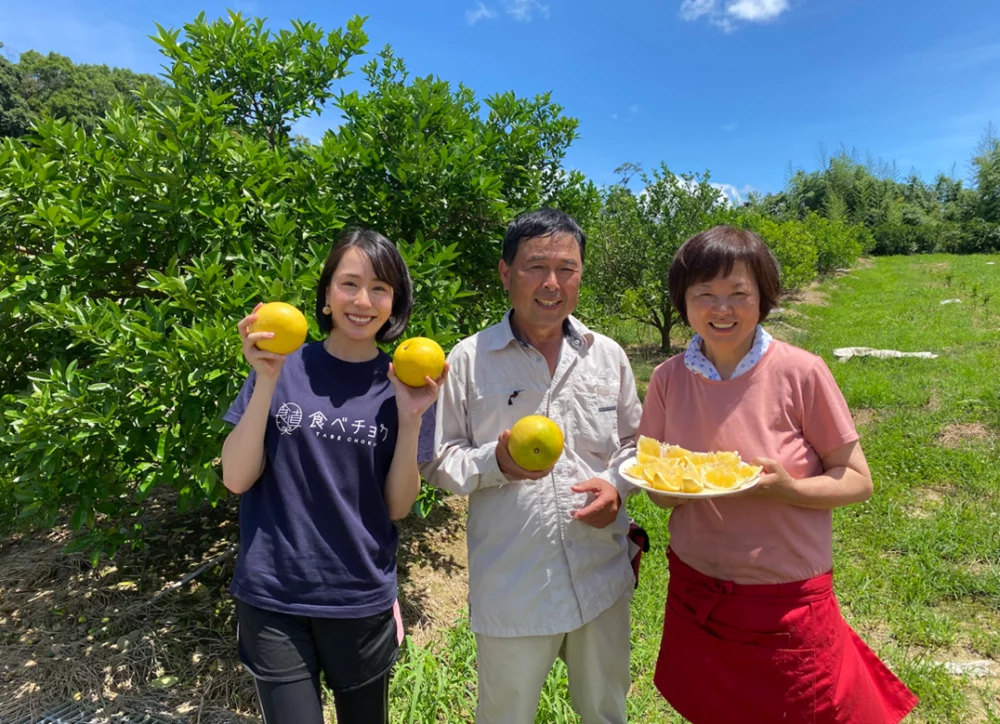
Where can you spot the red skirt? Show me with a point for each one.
(769, 653)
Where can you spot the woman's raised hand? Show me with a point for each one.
(267, 364)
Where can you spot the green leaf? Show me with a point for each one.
(161, 445)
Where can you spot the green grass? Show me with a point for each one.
(918, 566)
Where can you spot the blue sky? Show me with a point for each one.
(738, 87)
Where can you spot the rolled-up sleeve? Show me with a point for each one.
(459, 465)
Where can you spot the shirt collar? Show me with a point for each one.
(699, 364)
(575, 333)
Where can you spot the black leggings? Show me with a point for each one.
(301, 702)
(287, 654)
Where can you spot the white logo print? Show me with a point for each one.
(288, 418)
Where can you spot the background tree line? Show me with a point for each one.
(904, 216)
(39, 85)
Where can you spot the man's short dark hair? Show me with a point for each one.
(388, 265)
(541, 222)
(714, 253)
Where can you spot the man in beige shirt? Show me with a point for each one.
(549, 572)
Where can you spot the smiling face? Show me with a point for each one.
(360, 303)
(725, 311)
(543, 281)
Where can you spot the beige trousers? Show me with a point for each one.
(512, 671)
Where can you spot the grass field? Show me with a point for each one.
(917, 567)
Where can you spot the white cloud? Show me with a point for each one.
(523, 11)
(481, 12)
(734, 196)
(756, 11)
(728, 14)
(694, 9)
(726, 194)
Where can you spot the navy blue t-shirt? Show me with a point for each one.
(315, 533)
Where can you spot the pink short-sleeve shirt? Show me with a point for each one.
(787, 407)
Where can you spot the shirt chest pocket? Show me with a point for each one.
(496, 406)
(596, 414)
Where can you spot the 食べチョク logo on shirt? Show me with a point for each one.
(359, 432)
(288, 418)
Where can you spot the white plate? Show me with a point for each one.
(706, 493)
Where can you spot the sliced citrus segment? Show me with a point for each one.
(672, 468)
(673, 452)
(691, 484)
(649, 447)
(728, 458)
(699, 458)
(649, 472)
(721, 478)
(665, 479)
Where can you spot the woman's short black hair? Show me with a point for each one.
(714, 253)
(388, 265)
(541, 222)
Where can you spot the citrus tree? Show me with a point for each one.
(636, 235)
(127, 254)
(427, 163)
(634, 238)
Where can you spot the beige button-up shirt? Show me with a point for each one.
(533, 570)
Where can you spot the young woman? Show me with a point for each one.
(752, 630)
(324, 452)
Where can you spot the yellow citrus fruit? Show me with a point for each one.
(648, 473)
(675, 452)
(535, 442)
(679, 470)
(288, 324)
(729, 458)
(721, 478)
(669, 479)
(648, 447)
(659, 481)
(691, 484)
(701, 458)
(416, 358)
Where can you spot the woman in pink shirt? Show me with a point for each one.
(752, 630)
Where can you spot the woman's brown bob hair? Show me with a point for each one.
(388, 265)
(714, 253)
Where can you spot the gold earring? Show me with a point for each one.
(326, 309)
